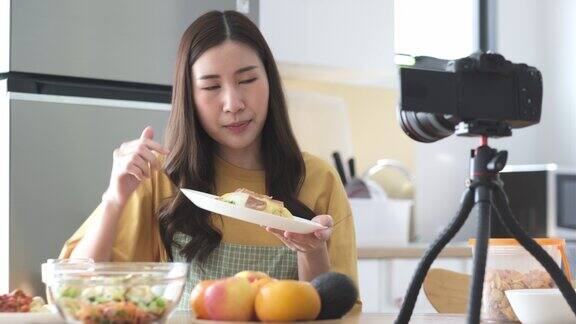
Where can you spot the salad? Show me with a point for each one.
(112, 304)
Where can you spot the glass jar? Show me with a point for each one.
(509, 266)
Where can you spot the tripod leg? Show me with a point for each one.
(466, 204)
(505, 213)
(483, 200)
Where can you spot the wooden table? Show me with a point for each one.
(185, 318)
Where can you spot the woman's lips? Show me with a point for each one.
(238, 127)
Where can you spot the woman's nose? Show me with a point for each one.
(233, 101)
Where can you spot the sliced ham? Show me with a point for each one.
(255, 203)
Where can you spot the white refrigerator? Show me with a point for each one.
(83, 77)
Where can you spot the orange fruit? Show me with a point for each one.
(287, 300)
(197, 298)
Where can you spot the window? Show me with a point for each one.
(439, 28)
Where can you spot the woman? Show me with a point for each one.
(228, 129)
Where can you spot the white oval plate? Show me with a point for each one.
(211, 203)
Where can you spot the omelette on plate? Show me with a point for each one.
(249, 199)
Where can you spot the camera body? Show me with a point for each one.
(438, 94)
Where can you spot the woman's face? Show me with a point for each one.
(231, 94)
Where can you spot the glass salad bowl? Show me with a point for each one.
(121, 292)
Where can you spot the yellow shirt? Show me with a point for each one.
(138, 236)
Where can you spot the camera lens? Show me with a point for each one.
(426, 127)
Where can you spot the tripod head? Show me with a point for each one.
(485, 162)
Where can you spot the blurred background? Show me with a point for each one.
(78, 78)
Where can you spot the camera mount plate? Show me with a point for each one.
(483, 128)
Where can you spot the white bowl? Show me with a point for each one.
(540, 306)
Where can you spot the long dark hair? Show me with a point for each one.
(190, 163)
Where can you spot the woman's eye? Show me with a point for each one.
(211, 87)
(248, 81)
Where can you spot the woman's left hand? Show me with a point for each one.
(306, 242)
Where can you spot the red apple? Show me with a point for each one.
(230, 299)
(251, 275)
(197, 298)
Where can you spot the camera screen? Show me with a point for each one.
(488, 95)
(428, 91)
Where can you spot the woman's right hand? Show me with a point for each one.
(133, 162)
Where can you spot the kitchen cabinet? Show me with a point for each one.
(385, 273)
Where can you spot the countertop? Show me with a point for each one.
(358, 319)
(410, 251)
(186, 318)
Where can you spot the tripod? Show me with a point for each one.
(486, 191)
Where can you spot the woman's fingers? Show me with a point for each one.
(281, 237)
(297, 237)
(135, 160)
(323, 234)
(146, 155)
(155, 146)
(325, 220)
(149, 157)
(274, 231)
(133, 163)
(147, 139)
(135, 171)
(142, 142)
(301, 239)
(295, 241)
(311, 239)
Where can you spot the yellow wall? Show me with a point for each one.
(372, 111)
